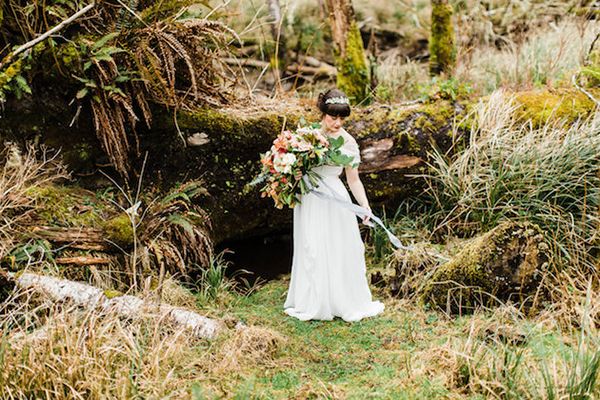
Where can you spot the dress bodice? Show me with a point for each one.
(350, 148)
(329, 170)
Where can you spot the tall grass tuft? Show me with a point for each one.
(215, 284)
(511, 171)
(60, 351)
(548, 57)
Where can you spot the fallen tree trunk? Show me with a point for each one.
(124, 305)
(394, 144)
(83, 260)
(76, 238)
(504, 264)
(223, 147)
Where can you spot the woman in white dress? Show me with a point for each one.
(328, 267)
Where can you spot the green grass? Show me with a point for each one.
(405, 353)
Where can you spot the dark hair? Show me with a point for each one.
(333, 109)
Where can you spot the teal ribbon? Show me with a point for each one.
(356, 209)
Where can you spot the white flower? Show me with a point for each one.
(306, 130)
(283, 162)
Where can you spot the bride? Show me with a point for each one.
(328, 266)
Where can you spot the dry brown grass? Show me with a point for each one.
(249, 347)
(20, 173)
(88, 355)
(60, 351)
(548, 56)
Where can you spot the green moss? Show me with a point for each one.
(69, 55)
(65, 206)
(441, 42)
(119, 230)
(591, 71)
(428, 119)
(542, 106)
(439, 112)
(211, 120)
(413, 144)
(224, 126)
(9, 73)
(111, 293)
(353, 72)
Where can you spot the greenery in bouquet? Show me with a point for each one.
(292, 157)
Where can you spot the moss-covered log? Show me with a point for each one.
(505, 264)
(223, 148)
(394, 144)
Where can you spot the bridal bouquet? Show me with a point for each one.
(291, 157)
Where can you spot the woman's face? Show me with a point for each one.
(332, 124)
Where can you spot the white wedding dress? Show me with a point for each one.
(328, 267)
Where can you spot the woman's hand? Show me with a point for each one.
(366, 218)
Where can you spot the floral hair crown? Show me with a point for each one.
(337, 100)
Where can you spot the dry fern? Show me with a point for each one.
(175, 233)
(179, 62)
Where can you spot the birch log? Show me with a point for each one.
(125, 306)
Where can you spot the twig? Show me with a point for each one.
(83, 260)
(581, 89)
(45, 36)
(248, 62)
(592, 45)
(132, 12)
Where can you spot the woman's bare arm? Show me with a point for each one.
(357, 188)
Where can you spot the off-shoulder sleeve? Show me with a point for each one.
(351, 148)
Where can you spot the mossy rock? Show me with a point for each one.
(505, 264)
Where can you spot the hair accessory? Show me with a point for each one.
(337, 100)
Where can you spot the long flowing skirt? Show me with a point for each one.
(328, 265)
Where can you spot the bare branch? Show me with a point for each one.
(45, 36)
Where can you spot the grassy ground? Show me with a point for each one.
(408, 352)
(339, 359)
(405, 353)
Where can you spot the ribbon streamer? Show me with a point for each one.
(356, 209)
